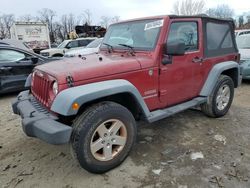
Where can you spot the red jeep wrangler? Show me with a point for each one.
(147, 69)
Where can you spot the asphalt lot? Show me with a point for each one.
(187, 150)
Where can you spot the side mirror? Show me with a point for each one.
(175, 48)
(34, 60)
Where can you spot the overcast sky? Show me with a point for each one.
(124, 8)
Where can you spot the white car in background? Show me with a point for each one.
(66, 46)
(242, 32)
(243, 43)
(91, 48)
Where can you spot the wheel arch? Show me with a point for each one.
(57, 55)
(229, 68)
(119, 91)
(125, 99)
(232, 73)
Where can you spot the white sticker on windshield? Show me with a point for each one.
(154, 24)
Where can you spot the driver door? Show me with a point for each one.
(180, 77)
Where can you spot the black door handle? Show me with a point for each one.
(197, 60)
(5, 68)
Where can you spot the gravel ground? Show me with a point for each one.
(187, 150)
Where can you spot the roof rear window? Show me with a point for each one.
(219, 39)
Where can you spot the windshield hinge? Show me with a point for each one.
(70, 81)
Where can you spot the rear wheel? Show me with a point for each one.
(221, 98)
(103, 136)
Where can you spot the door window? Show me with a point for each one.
(219, 39)
(186, 32)
(10, 56)
(84, 42)
(73, 44)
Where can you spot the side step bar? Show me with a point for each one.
(163, 113)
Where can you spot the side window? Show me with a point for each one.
(219, 39)
(10, 56)
(73, 44)
(186, 32)
(83, 42)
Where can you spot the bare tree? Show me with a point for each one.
(27, 18)
(6, 21)
(188, 7)
(221, 11)
(47, 16)
(105, 21)
(87, 15)
(248, 18)
(59, 31)
(68, 23)
(115, 19)
(241, 21)
(2, 29)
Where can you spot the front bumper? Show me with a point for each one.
(38, 122)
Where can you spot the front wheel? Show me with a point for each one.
(103, 136)
(221, 98)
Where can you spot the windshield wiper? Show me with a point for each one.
(131, 48)
(110, 47)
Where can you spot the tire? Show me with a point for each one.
(214, 107)
(96, 128)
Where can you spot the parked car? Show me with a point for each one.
(66, 46)
(16, 43)
(15, 66)
(243, 43)
(165, 65)
(242, 32)
(91, 48)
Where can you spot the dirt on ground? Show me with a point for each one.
(187, 150)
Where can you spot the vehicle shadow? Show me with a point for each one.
(8, 95)
(245, 81)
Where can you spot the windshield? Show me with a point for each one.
(63, 44)
(94, 44)
(141, 35)
(243, 42)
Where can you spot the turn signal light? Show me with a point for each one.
(75, 106)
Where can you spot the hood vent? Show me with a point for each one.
(70, 81)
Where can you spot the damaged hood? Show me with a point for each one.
(90, 67)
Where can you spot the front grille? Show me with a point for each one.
(40, 88)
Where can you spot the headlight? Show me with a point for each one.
(55, 88)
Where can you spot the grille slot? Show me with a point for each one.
(40, 89)
(38, 106)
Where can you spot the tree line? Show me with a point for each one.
(192, 7)
(60, 26)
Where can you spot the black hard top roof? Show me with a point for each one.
(203, 16)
